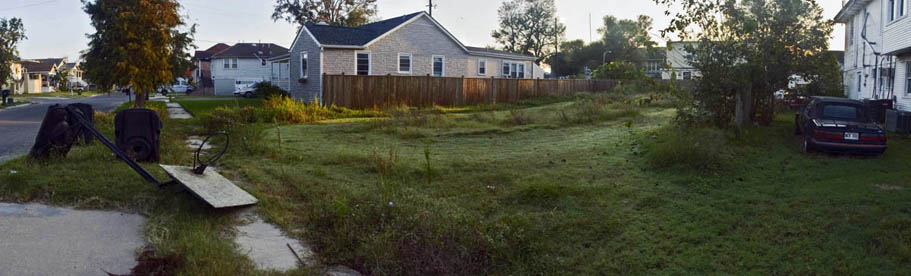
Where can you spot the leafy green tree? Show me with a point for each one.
(349, 13)
(133, 44)
(529, 27)
(11, 32)
(619, 70)
(823, 76)
(769, 40)
(61, 78)
(623, 38)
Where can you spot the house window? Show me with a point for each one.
(234, 63)
(513, 70)
(304, 63)
(505, 69)
(363, 63)
(687, 75)
(482, 67)
(521, 70)
(439, 66)
(227, 63)
(908, 77)
(404, 63)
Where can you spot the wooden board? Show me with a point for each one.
(211, 187)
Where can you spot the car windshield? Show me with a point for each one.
(842, 112)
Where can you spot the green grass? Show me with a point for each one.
(591, 184)
(2, 106)
(205, 107)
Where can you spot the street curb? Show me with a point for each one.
(18, 106)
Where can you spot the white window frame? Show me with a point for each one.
(227, 63)
(410, 63)
(233, 63)
(521, 74)
(369, 62)
(305, 60)
(908, 78)
(505, 68)
(433, 61)
(482, 64)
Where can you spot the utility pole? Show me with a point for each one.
(556, 50)
(430, 7)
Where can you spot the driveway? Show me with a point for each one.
(19, 125)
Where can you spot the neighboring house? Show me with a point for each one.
(74, 74)
(243, 63)
(203, 72)
(409, 45)
(41, 73)
(877, 55)
(655, 60)
(678, 61)
(16, 82)
(797, 80)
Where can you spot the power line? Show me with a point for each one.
(29, 5)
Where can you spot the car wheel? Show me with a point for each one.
(164, 92)
(807, 145)
(248, 95)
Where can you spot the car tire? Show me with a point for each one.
(164, 92)
(808, 146)
(248, 95)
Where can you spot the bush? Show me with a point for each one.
(619, 71)
(701, 149)
(269, 90)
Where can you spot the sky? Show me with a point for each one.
(57, 28)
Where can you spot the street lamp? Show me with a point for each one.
(604, 56)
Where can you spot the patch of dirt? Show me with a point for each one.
(149, 265)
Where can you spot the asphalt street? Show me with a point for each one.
(19, 125)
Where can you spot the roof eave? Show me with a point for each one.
(849, 10)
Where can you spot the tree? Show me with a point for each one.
(134, 44)
(619, 70)
(11, 32)
(769, 40)
(61, 78)
(349, 13)
(623, 38)
(529, 27)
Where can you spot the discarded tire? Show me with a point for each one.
(55, 137)
(137, 134)
(88, 113)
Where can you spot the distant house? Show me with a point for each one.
(41, 74)
(655, 60)
(74, 73)
(409, 45)
(243, 63)
(203, 73)
(678, 61)
(16, 83)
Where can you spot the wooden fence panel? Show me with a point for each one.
(380, 91)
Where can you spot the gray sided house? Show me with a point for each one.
(409, 45)
(244, 63)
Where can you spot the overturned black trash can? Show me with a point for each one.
(88, 113)
(55, 136)
(137, 133)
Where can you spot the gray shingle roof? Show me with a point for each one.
(356, 36)
(252, 50)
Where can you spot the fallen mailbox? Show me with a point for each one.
(207, 185)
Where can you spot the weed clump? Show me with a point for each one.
(701, 149)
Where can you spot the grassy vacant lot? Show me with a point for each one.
(591, 184)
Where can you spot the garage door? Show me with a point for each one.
(224, 87)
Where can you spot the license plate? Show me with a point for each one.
(852, 136)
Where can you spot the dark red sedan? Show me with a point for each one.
(838, 125)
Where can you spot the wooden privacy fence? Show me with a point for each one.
(379, 91)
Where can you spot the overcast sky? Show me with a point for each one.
(57, 28)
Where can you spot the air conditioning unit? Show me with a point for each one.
(898, 121)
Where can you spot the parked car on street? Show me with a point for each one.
(245, 88)
(838, 125)
(180, 85)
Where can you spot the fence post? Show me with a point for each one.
(493, 90)
(323, 88)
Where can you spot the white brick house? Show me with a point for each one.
(877, 50)
(409, 45)
(243, 63)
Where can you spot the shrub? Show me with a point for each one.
(621, 70)
(699, 149)
(269, 90)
